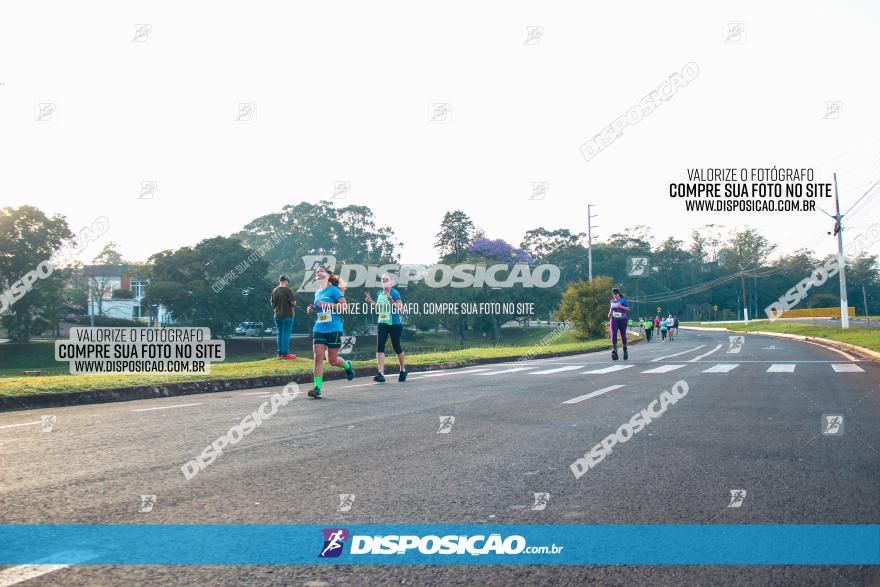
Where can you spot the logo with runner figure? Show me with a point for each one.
(541, 500)
(347, 344)
(147, 504)
(832, 424)
(736, 344)
(446, 423)
(47, 423)
(737, 496)
(312, 262)
(346, 502)
(636, 266)
(334, 541)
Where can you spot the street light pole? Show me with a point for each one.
(844, 304)
(590, 228)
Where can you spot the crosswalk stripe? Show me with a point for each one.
(513, 370)
(781, 368)
(696, 348)
(556, 370)
(663, 369)
(846, 368)
(610, 369)
(722, 368)
(453, 372)
(581, 398)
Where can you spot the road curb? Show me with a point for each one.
(827, 342)
(97, 396)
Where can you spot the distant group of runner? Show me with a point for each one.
(330, 303)
(328, 306)
(666, 328)
(618, 321)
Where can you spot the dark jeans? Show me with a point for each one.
(285, 329)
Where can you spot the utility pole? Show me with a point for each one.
(590, 228)
(865, 298)
(838, 229)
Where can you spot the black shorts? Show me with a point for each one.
(331, 340)
(382, 334)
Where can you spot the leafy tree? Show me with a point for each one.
(542, 244)
(109, 255)
(350, 234)
(73, 302)
(585, 303)
(185, 281)
(498, 250)
(28, 238)
(455, 237)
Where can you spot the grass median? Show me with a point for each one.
(855, 334)
(23, 386)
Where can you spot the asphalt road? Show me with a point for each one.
(752, 420)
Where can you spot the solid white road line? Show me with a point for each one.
(781, 368)
(696, 348)
(22, 573)
(513, 370)
(722, 368)
(167, 407)
(17, 425)
(663, 369)
(697, 358)
(610, 369)
(556, 370)
(581, 398)
(831, 348)
(847, 368)
(358, 385)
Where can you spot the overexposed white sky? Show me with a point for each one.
(344, 91)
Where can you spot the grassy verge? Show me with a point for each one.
(17, 386)
(862, 337)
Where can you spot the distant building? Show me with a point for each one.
(103, 280)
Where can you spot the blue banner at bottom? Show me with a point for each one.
(650, 544)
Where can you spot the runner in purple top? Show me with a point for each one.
(618, 315)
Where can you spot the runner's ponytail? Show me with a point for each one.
(334, 279)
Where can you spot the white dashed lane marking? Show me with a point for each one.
(17, 425)
(722, 368)
(167, 407)
(663, 369)
(598, 392)
(781, 368)
(696, 348)
(698, 357)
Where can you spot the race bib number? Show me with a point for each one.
(325, 316)
(617, 314)
(384, 316)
